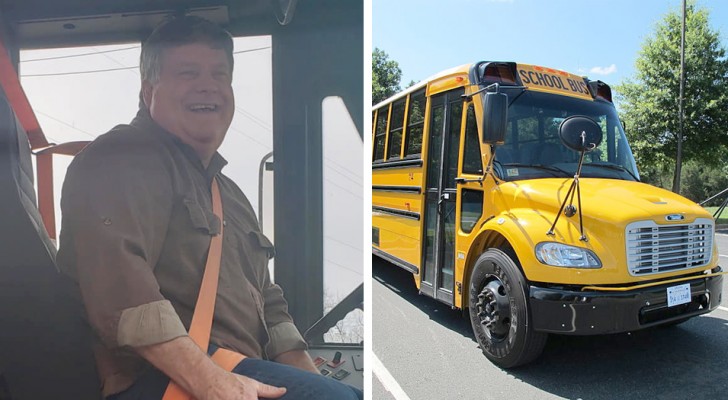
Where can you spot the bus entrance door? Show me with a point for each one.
(446, 112)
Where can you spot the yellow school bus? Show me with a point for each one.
(510, 190)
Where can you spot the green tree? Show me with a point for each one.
(701, 182)
(650, 103)
(386, 75)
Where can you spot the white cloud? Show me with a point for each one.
(604, 70)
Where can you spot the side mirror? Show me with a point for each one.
(495, 118)
(580, 133)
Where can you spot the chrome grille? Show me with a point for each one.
(653, 248)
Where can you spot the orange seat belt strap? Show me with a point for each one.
(227, 359)
(19, 101)
(205, 308)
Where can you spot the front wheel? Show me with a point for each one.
(499, 311)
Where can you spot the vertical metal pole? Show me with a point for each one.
(261, 169)
(298, 183)
(680, 133)
(319, 54)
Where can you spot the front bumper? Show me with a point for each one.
(602, 312)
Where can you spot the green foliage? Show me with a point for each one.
(650, 103)
(386, 75)
(699, 182)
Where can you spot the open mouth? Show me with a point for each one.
(202, 107)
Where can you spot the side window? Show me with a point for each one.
(471, 208)
(380, 133)
(374, 120)
(472, 160)
(415, 124)
(374, 125)
(395, 130)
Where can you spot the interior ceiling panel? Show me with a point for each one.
(62, 23)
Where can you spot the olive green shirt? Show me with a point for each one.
(137, 223)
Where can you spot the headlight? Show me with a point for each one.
(561, 255)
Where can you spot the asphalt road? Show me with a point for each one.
(425, 350)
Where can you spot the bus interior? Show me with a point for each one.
(316, 52)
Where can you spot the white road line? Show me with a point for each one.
(387, 379)
(723, 255)
(723, 308)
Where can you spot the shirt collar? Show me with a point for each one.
(144, 121)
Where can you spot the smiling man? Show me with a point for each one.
(137, 225)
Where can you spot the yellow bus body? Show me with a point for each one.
(521, 212)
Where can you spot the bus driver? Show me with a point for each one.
(136, 228)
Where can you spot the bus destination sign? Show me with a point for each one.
(553, 81)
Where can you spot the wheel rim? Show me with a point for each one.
(494, 309)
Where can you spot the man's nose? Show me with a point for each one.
(206, 82)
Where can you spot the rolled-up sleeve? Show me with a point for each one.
(283, 334)
(116, 204)
(284, 337)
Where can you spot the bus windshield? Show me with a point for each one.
(532, 147)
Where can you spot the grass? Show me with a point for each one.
(722, 218)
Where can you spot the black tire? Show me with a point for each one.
(499, 311)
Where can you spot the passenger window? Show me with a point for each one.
(415, 125)
(380, 133)
(395, 130)
(472, 160)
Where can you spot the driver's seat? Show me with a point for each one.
(45, 342)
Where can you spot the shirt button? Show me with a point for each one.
(107, 221)
(224, 222)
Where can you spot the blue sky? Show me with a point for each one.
(597, 38)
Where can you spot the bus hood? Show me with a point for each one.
(608, 200)
(529, 208)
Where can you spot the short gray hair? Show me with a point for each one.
(180, 31)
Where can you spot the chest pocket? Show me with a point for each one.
(202, 219)
(256, 250)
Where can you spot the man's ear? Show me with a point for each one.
(147, 92)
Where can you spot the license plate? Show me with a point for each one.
(677, 295)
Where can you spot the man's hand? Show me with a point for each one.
(195, 372)
(230, 386)
(299, 359)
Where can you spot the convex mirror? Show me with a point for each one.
(580, 133)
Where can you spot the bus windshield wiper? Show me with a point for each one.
(549, 168)
(615, 167)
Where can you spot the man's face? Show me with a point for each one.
(193, 98)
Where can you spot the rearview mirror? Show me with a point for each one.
(580, 133)
(495, 118)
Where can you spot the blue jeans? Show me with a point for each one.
(299, 384)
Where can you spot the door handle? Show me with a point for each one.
(462, 180)
(443, 197)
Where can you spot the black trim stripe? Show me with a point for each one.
(397, 188)
(416, 162)
(398, 213)
(396, 261)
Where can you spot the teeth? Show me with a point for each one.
(203, 107)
